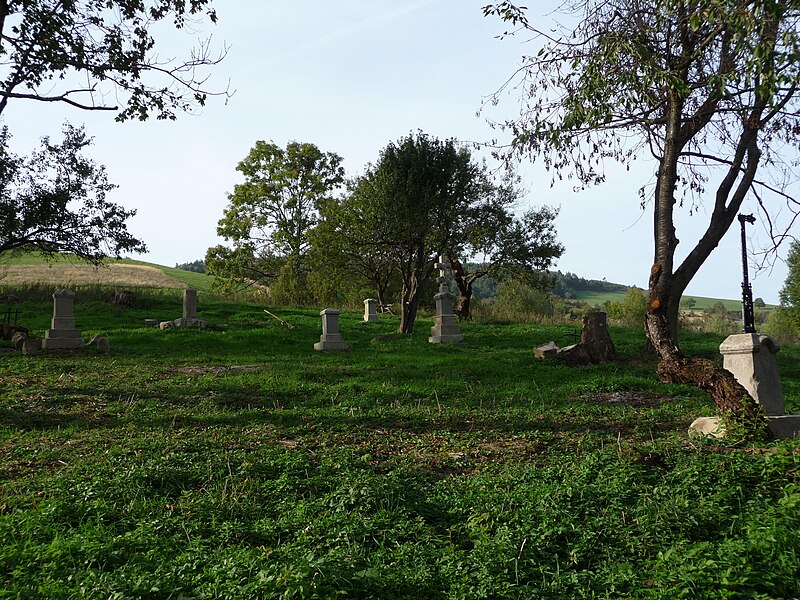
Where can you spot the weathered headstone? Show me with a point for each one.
(31, 347)
(62, 334)
(445, 331)
(101, 342)
(750, 357)
(370, 310)
(189, 303)
(330, 340)
(189, 318)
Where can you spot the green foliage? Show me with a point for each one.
(631, 310)
(90, 54)
(688, 302)
(397, 469)
(54, 201)
(718, 319)
(790, 292)
(270, 215)
(519, 301)
(197, 266)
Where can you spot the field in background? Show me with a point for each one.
(32, 269)
(701, 303)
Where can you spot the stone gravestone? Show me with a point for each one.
(62, 334)
(751, 358)
(189, 303)
(370, 310)
(330, 340)
(445, 331)
(189, 318)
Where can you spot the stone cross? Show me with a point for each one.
(330, 340)
(445, 330)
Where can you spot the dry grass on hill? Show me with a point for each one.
(114, 275)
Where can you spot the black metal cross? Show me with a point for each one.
(748, 319)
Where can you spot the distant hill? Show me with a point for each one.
(32, 269)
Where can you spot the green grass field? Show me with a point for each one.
(599, 298)
(398, 469)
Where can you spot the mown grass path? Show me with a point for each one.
(399, 469)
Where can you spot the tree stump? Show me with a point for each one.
(122, 299)
(595, 339)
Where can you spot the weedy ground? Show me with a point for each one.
(237, 462)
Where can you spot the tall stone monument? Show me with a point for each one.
(62, 333)
(445, 331)
(189, 318)
(330, 340)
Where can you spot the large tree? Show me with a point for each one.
(270, 215)
(705, 87)
(54, 201)
(415, 193)
(499, 244)
(101, 55)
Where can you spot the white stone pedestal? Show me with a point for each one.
(370, 310)
(62, 335)
(750, 357)
(330, 340)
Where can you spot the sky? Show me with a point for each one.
(351, 76)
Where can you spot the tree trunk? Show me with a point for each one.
(464, 283)
(728, 394)
(410, 304)
(667, 283)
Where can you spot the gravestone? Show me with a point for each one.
(445, 331)
(62, 334)
(189, 303)
(189, 318)
(330, 340)
(370, 310)
(750, 357)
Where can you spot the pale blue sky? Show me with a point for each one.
(350, 76)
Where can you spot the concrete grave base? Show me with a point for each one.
(780, 427)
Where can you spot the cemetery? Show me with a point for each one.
(405, 468)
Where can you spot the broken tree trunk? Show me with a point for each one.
(730, 397)
(595, 338)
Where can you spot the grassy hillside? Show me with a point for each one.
(33, 269)
(237, 462)
(598, 298)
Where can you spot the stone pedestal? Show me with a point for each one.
(189, 303)
(330, 340)
(370, 310)
(750, 357)
(62, 334)
(445, 331)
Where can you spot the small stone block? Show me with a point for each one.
(151, 323)
(707, 426)
(166, 325)
(784, 426)
(31, 347)
(548, 350)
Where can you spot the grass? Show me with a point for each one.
(398, 469)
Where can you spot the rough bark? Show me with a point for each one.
(595, 339)
(410, 304)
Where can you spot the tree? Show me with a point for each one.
(790, 292)
(347, 247)
(54, 201)
(707, 88)
(269, 216)
(91, 55)
(503, 245)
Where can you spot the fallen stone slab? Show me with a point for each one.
(548, 350)
(575, 356)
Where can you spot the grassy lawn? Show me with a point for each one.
(398, 469)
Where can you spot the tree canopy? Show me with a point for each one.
(270, 214)
(102, 55)
(54, 201)
(706, 88)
